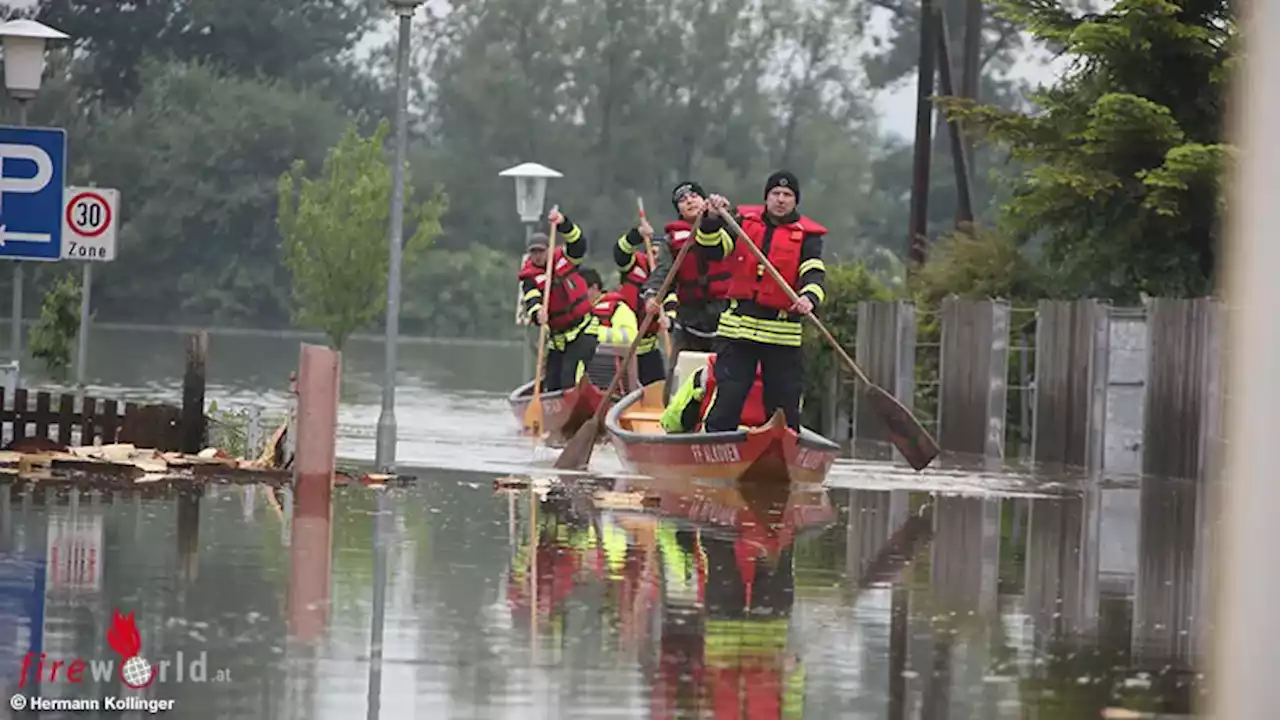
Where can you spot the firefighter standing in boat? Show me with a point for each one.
(613, 323)
(694, 305)
(761, 327)
(567, 313)
(635, 270)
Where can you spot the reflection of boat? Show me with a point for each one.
(563, 411)
(727, 506)
(729, 586)
(772, 451)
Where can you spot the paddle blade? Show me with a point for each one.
(533, 424)
(905, 432)
(577, 452)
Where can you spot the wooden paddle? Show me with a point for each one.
(653, 265)
(577, 453)
(907, 434)
(533, 414)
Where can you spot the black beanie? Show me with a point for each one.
(783, 178)
(682, 189)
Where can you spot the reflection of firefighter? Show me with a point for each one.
(736, 665)
(569, 550)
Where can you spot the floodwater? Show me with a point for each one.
(954, 594)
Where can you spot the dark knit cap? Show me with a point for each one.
(537, 241)
(783, 178)
(591, 276)
(684, 188)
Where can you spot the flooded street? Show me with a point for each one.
(952, 594)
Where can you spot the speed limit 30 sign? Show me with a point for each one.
(89, 219)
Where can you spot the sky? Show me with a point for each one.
(896, 106)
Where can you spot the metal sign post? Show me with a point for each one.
(89, 220)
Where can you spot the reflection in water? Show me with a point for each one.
(718, 601)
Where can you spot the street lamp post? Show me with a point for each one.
(385, 453)
(24, 44)
(531, 194)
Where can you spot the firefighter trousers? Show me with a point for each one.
(564, 367)
(781, 372)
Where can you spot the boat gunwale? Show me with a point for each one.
(523, 394)
(612, 421)
(723, 531)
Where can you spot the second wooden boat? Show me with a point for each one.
(563, 411)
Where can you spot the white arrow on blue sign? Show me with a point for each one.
(32, 171)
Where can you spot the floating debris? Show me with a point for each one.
(125, 464)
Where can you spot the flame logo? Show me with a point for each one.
(123, 637)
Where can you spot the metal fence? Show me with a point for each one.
(1079, 383)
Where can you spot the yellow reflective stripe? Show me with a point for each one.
(817, 291)
(811, 264)
(536, 292)
(558, 341)
(615, 335)
(793, 695)
(730, 640)
(534, 308)
(719, 237)
(573, 236)
(760, 337)
(615, 549)
(648, 344)
(627, 248)
(775, 332)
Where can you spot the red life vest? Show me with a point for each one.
(568, 302)
(750, 281)
(606, 305)
(632, 287)
(752, 409)
(697, 280)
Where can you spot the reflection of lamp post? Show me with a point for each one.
(24, 42)
(385, 450)
(531, 193)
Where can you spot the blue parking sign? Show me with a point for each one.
(32, 175)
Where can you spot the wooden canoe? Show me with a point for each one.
(563, 411)
(772, 452)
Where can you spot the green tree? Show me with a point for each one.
(197, 160)
(847, 285)
(1125, 154)
(54, 335)
(333, 231)
(305, 42)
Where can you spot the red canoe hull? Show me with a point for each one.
(563, 411)
(772, 452)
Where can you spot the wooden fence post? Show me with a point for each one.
(193, 386)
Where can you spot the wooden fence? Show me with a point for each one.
(68, 419)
